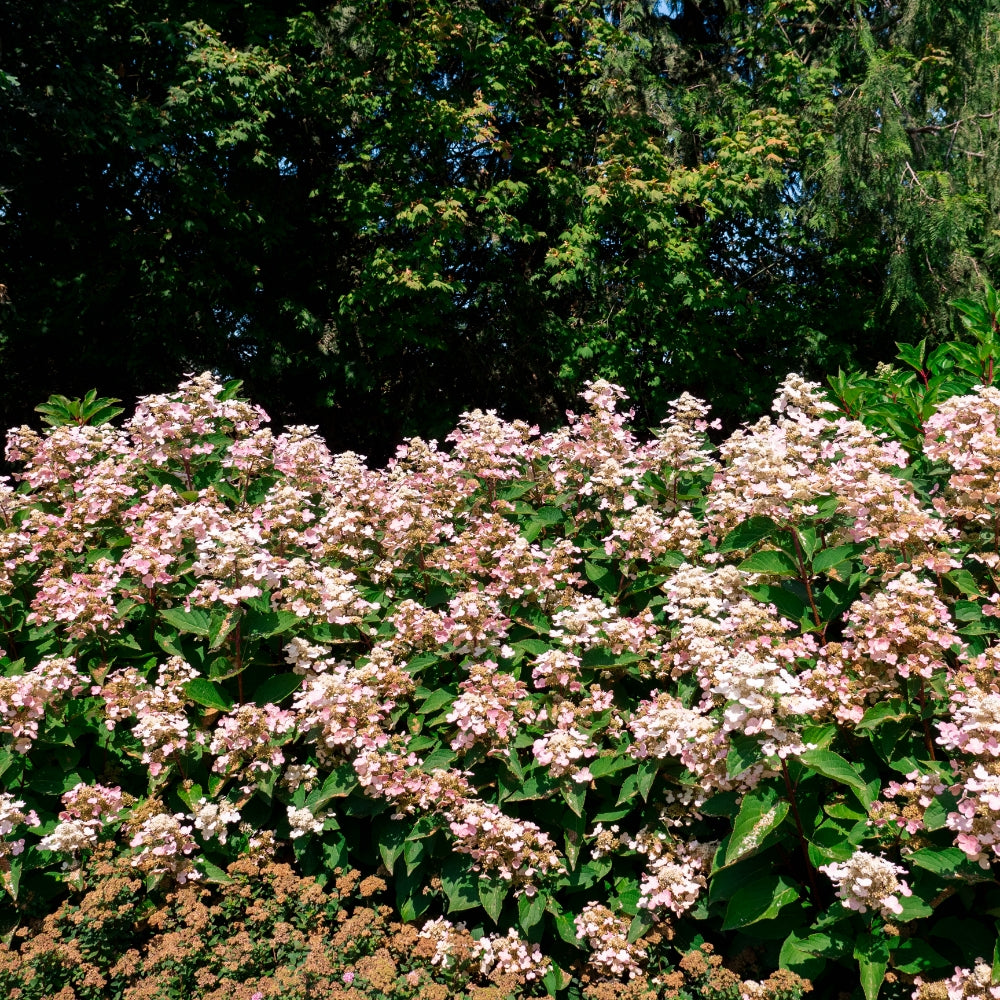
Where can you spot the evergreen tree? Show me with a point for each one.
(380, 214)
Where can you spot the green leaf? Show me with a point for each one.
(872, 953)
(556, 980)
(830, 842)
(645, 777)
(832, 765)
(964, 581)
(598, 656)
(12, 882)
(744, 752)
(530, 910)
(275, 689)
(935, 815)
(942, 861)
(390, 836)
(574, 794)
(204, 692)
(912, 908)
(436, 700)
(797, 956)
(221, 626)
(6, 759)
(762, 899)
(831, 557)
(415, 852)
(601, 767)
(549, 515)
(892, 710)
(55, 781)
(460, 886)
(213, 873)
(761, 811)
(641, 923)
(264, 624)
(441, 758)
(773, 562)
(339, 783)
(786, 601)
(492, 893)
(748, 533)
(916, 957)
(565, 927)
(534, 647)
(601, 576)
(195, 621)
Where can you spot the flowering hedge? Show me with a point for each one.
(594, 702)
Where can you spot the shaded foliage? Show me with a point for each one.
(381, 214)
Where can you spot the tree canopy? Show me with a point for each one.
(381, 214)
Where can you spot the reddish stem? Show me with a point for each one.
(807, 583)
(803, 843)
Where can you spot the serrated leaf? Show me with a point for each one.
(645, 777)
(414, 853)
(555, 980)
(762, 899)
(761, 811)
(912, 908)
(935, 815)
(831, 557)
(264, 624)
(744, 752)
(885, 711)
(195, 621)
(751, 531)
(915, 956)
(338, 784)
(221, 627)
(872, 953)
(788, 603)
(641, 923)
(941, 861)
(832, 765)
(530, 910)
(601, 767)
(459, 886)
(55, 781)
(795, 956)
(275, 689)
(492, 893)
(773, 562)
(213, 873)
(573, 794)
(599, 656)
(565, 927)
(12, 877)
(533, 646)
(964, 581)
(203, 692)
(549, 515)
(442, 759)
(601, 576)
(6, 759)
(437, 699)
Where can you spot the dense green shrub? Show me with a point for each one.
(583, 706)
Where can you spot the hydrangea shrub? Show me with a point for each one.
(589, 703)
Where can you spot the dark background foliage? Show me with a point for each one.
(380, 214)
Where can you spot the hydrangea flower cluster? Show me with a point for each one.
(12, 815)
(606, 934)
(508, 953)
(497, 646)
(866, 881)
